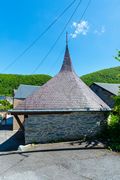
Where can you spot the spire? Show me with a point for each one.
(66, 38)
(67, 64)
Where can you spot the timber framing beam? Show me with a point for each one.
(19, 122)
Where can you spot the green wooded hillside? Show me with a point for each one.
(111, 75)
(8, 82)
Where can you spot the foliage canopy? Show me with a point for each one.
(5, 105)
(9, 82)
(111, 75)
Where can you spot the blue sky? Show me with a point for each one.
(93, 47)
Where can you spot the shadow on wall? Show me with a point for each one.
(13, 142)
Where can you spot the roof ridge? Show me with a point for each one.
(106, 83)
(89, 90)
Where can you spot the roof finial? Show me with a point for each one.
(66, 38)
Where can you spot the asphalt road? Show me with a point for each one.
(76, 164)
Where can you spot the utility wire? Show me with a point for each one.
(88, 4)
(58, 58)
(61, 34)
(57, 38)
(38, 38)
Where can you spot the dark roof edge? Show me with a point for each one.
(28, 85)
(104, 89)
(57, 110)
(106, 83)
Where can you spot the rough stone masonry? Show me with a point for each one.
(59, 127)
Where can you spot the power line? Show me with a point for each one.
(38, 38)
(57, 38)
(58, 58)
(88, 4)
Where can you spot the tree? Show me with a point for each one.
(118, 56)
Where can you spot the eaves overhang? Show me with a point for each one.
(40, 111)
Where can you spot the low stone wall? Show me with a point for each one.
(62, 127)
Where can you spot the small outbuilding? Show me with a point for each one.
(20, 95)
(64, 108)
(106, 91)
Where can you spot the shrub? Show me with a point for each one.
(114, 126)
(117, 105)
(5, 105)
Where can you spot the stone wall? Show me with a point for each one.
(106, 96)
(62, 127)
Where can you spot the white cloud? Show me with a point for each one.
(80, 28)
(100, 31)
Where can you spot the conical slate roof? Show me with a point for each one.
(65, 91)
